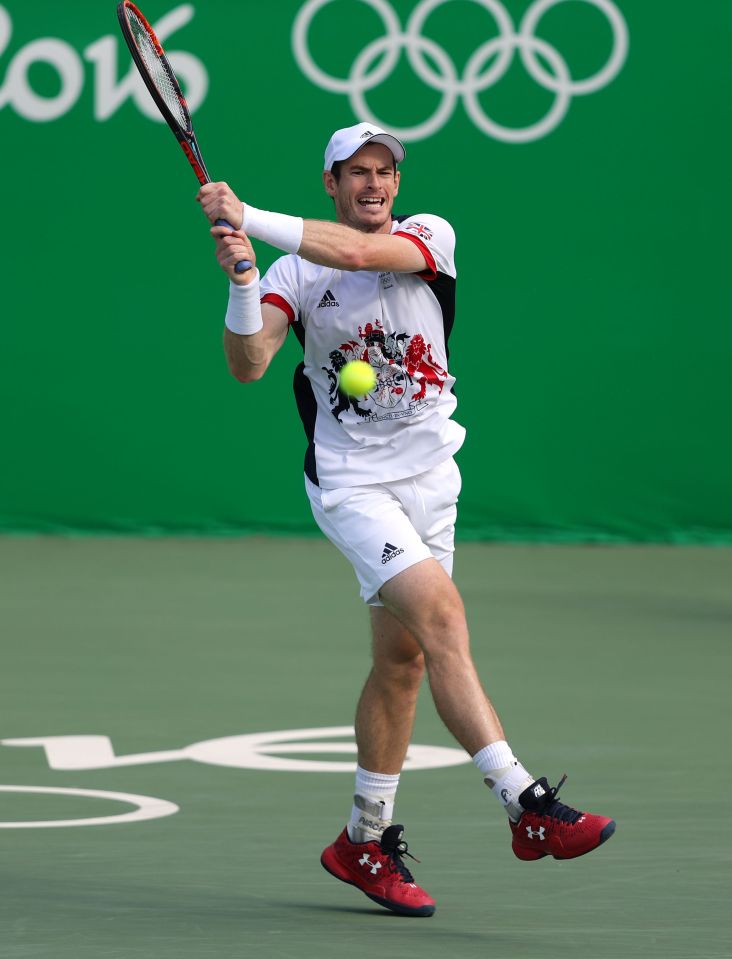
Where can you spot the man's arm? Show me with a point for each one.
(248, 354)
(328, 244)
(341, 247)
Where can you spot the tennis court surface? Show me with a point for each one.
(611, 664)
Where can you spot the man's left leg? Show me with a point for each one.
(426, 601)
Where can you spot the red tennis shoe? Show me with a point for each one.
(549, 828)
(377, 869)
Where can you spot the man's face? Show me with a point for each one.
(365, 191)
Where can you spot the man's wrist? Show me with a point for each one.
(278, 229)
(244, 310)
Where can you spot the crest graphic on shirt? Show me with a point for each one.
(404, 368)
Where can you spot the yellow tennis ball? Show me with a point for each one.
(357, 378)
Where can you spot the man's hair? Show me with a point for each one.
(337, 165)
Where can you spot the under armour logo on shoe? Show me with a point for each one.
(538, 790)
(539, 834)
(328, 300)
(365, 861)
(389, 552)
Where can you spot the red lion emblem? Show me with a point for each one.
(426, 370)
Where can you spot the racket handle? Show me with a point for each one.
(243, 265)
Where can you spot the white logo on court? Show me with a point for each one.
(250, 751)
(147, 807)
(474, 81)
(109, 92)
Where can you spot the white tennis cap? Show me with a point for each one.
(344, 143)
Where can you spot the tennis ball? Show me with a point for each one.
(357, 378)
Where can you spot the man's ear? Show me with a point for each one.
(397, 178)
(329, 182)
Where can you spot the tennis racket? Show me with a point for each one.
(155, 69)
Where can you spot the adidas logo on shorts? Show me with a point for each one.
(389, 553)
(328, 300)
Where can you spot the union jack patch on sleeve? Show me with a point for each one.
(420, 230)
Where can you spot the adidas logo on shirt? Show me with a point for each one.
(328, 300)
(389, 553)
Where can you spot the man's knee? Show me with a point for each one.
(440, 624)
(403, 675)
(422, 592)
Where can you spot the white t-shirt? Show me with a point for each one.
(400, 324)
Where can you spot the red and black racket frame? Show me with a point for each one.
(186, 137)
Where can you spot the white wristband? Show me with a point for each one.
(277, 229)
(244, 312)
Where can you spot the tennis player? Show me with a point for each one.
(383, 484)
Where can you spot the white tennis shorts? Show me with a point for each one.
(384, 528)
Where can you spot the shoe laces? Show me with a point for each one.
(395, 848)
(557, 810)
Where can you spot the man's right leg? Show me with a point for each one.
(385, 713)
(368, 853)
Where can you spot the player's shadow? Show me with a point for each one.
(95, 908)
(353, 910)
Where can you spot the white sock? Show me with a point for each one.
(504, 775)
(373, 805)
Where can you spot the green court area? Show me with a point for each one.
(612, 664)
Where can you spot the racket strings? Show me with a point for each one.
(156, 69)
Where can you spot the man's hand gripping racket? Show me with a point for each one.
(149, 58)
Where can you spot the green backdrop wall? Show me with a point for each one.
(589, 192)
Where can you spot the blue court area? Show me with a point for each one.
(202, 691)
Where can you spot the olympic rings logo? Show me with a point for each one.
(475, 80)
